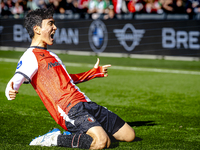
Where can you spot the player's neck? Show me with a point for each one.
(38, 43)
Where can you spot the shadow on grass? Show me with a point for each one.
(141, 123)
(138, 124)
(115, 143)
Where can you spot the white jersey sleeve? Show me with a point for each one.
(27, 65)
(26, 69)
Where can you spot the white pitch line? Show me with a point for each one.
(138, 69)
(156, 70)
(120, 67)
(9, 60)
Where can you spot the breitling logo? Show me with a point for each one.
(128, 36)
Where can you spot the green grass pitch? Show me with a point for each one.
(162, 108)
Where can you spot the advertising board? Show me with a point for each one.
(156, 37)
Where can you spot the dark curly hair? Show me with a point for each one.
(35, 17)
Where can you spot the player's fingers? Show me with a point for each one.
(105, 75)
(12, 98)
(11, 85)
(12, 88)
(12, 92)
(106, 66)
(97, 63)
(105, 70)
(12, 95)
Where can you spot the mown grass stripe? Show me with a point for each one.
(121, 67)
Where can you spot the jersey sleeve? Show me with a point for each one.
(27, 66)
(85, 76)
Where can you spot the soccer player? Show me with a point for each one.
(92, 125)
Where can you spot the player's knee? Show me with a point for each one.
(130, 137)
(101, 143)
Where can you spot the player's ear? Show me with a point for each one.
(37, 29)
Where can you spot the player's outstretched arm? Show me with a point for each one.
(96, 71)
(105, 67)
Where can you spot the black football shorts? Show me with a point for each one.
(88, 114)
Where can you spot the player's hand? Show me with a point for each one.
(12, 92)
(105, 67)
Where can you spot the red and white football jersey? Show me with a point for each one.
(50, 79)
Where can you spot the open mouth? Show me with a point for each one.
(52, 35)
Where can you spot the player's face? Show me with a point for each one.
(48, 30)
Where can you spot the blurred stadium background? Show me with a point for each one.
(161, 29)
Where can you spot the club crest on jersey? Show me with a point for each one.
(50, 65)
(19, 64)
(90, 119)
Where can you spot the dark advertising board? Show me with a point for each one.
(156, 37)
